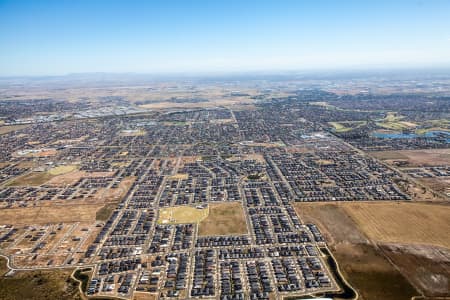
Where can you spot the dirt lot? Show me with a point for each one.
(338, 225)
(361, 262)
(371, 273)
(144, 296)
(39, 285)
(400, 222)
(416, 158)
(115, 194)
(49, 214)
(438, 184)
(427, 267)
(382, 245)
(224, 218)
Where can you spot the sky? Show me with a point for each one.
(62, 36)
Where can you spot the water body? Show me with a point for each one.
(430, 134)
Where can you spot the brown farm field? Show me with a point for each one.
(415, 158)
(224, 218)
(358, 236)
(371, 273)
(401, 222)
(427, 267)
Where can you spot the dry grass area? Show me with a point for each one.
(415, 158)
(427, 267)
(31, 179)
(60, 175)
(39, 285)
(60, 170)
(337, 225)
(415, 223)
(361, 263)
(3, 268)
(371, 273)
(66, 179)
(49, 214)
(105, 212)
(8, 129)
(182, 215)
(223, 219)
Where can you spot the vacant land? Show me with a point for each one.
(438, 184)
(37, 285)
(427, 267)
(338, 225)
(105, 212)
(416, 158)
(223, 219)
(114, 195)
(144, 296)
(7, 129)
(59, 170)
(415, 223)
(362, 264)
(182, 215)
(49, 214)
(3, 267)
(31, 179)
(371, 273)
(75, 175)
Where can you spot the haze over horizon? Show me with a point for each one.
(61, 37)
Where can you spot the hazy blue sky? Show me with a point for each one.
(58, 37)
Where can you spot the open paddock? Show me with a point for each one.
(224, 219)
(416, 158)
(49, 214)
(400, 222)
(427, 267)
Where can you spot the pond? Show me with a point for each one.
(399, 135)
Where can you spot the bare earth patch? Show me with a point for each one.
(415, 158)
(415, 223)
(337, 225)
(427, 267)
(223, 219)
(49, 214)
(361, 263)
